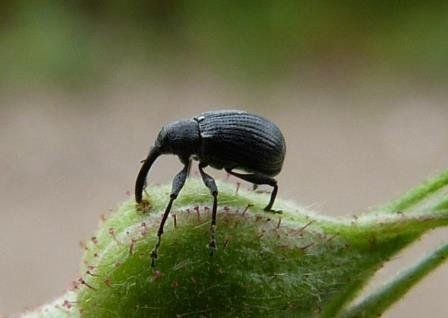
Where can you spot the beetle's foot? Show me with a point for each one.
(144, 206)
(212, 247)
(273, 211)
(212, 243)
(155, 250)
(153, 258)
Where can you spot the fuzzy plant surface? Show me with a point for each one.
(294, 264)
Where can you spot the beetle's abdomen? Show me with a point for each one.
(239, 140)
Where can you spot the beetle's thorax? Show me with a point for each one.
(180, 138)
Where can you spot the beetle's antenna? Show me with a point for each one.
(141, 178)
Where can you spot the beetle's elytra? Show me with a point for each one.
(225, 139)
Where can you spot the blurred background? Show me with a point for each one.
(358, 87)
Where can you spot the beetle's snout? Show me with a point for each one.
(141, 178)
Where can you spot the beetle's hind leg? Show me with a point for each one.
(178, 183)
(257, 179)
(210, 183)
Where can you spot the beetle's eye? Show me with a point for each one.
(161, 137)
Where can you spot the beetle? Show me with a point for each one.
(224, 139)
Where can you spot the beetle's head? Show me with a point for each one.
(180, 138)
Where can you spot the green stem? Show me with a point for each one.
(378, 302)
(426, 190)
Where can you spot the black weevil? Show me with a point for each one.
(225, 139)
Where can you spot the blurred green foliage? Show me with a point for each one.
(83, 41)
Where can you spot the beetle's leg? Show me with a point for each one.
(178, 183)
(256, 179)
(210, 183)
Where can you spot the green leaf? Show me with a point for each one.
(297, 263)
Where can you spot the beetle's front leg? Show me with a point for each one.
(211, 184)
(178, 183)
